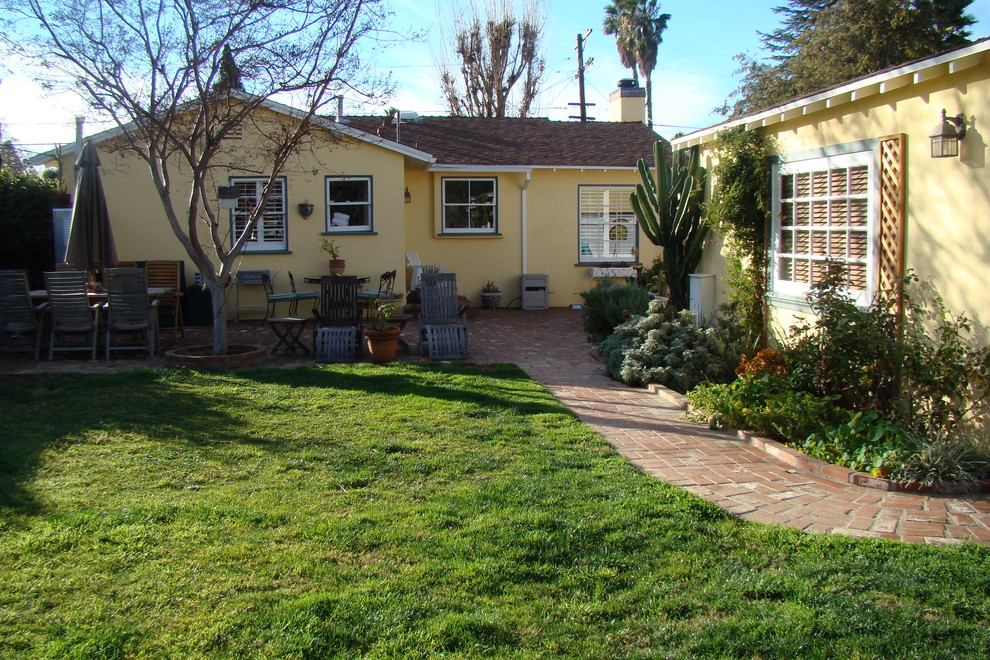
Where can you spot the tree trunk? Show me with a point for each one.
(649, 99)
(218, 295)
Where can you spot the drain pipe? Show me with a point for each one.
(525, 189)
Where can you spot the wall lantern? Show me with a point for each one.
(305, 209)
(408, 196)
(228, 196)
(945, 139)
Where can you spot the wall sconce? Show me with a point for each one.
(228, 196)
(408, 196)
(305, 209)
(945, 140)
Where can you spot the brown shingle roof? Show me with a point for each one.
(527, 142)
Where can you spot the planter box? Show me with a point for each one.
(613, 271)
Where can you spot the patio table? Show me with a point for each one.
(154, 292)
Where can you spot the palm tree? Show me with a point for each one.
(615, 23)
(638, 27)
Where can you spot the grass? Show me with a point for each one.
(410, 512)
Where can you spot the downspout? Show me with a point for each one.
(525, 189)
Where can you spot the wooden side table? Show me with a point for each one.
(288, 329)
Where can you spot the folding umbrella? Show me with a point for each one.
(90, 245)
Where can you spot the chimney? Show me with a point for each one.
(628, 103)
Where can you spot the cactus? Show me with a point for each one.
(668, 207)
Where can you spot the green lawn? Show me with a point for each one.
(412, 511)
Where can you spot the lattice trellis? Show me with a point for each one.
(890, 235)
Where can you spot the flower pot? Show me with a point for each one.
(490, 299)
(336, 266)
(382, 344)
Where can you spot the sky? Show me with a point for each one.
(695, 71)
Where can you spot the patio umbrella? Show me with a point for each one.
(90, 245)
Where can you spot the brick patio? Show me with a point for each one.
(649, 430)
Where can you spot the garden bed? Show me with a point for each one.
(798, 459)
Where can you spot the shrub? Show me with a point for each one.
(670, 351)
(927, 376)
(767, 405)
(845, 351)
(867, 442)
(767, 362)
(609, 304)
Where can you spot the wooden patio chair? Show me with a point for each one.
(71, 313)
(442, 326)
(165, 272)
(339, 309)
(130, 313)
(20, 321)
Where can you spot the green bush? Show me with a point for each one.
(926, 376)
(26, 222)
(669, 351)
(867, 442)
(767, 405)
(855, 390)
(609, 304)
(845, 351)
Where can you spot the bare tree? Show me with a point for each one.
(180, 78)
(495, 51)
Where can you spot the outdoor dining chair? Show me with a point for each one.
(71, 313)
(166, 273)
(338, 334)
(20, 323)
(371, 298)
(442, 326)
(131, 314)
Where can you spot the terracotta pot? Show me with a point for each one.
(336, 266)
(382, 344)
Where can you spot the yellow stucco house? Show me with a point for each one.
(491, 199)
(858, 178)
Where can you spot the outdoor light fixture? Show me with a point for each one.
(228, 196)
(305, 209)
(408, 196)
(945, 140)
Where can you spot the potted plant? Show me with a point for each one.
(490, 295)
(382, 336)
(336, 263)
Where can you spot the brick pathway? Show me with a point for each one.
(650, 431)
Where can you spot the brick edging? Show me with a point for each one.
(797, 458)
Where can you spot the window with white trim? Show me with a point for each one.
(270, 230)
(348, 204)
(470, 206)
(607, 230)
(824, 212)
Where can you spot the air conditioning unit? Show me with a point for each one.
(701, 291)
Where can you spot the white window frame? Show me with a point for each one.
(793, 294)
(493, 229)
(598, 221)
(335, 207)
(271, 233)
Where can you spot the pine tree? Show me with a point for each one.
(822, 43)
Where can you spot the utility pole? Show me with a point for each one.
(582, 102)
